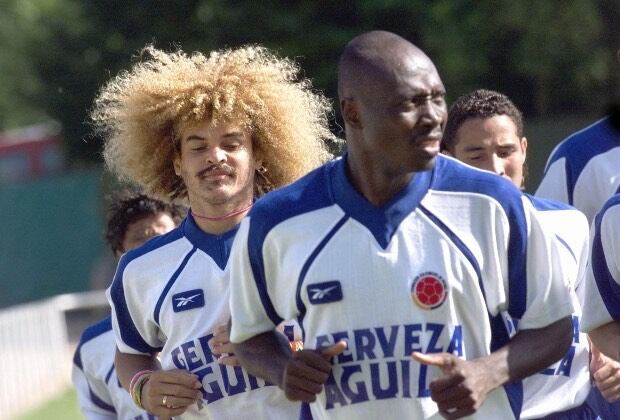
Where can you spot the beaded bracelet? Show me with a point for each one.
(136, 384)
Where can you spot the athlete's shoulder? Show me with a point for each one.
(451, 175)
(90, 334)
(546, 204)
(592, 140)
(311, 192)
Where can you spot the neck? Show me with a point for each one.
(377, 185)
(220, 219)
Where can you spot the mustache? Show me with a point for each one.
(223, 167)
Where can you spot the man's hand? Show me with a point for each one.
(168, 393)
(606, 374)
(307, 371)
(462, 387)
(222, 347)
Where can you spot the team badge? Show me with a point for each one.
(429, 290)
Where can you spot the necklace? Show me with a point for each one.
(226, 216)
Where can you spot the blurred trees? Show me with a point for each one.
(549, 58)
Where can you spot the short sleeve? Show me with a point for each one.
(549, 285)
(251, 308)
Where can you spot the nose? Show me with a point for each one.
(216, 155)
(497, 165)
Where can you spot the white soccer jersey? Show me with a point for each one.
(168, 296)
(603, 275)
(566, 383)
(100, 394)
(430, 271)
(584, 170)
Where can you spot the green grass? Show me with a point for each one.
(64, 407)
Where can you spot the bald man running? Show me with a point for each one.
(393, 252)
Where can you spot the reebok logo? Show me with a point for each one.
(188, 300)
(329, 291)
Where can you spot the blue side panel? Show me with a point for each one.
(451, 175)
(90, 333)
(129, 333)
(307, 194)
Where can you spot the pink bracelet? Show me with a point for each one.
(136, 376)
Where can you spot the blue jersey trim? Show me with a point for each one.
(128, 331)
(168, 286)
(303, 196)
(545, 204)
(216, 246)
(109, 374)
(607, 286)
(99, 402)
(382, 221)
(499, 335)
(302, 276)
(580, 147)
(457, 177)
(91, 332)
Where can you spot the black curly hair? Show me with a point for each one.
(127, 207)
(481, 103)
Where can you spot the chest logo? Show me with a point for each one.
(329, 291)
(429, 290)
(188, 300)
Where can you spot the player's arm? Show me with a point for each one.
(301, 374)
(464, 385)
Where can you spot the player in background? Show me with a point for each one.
(400, 254)
(583, 169)
(214, 131)
(485, 130)
(132, 219)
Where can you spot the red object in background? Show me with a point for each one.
(30, 152)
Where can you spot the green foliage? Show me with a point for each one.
(549, 58)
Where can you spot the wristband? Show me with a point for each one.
(135, 386)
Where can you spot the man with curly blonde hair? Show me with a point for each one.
(213, 132)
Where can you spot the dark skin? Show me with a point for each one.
(392, 102)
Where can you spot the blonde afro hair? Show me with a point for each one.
(140, 114)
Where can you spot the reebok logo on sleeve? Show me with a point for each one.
(190, 299)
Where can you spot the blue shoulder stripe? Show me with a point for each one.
(91, 332)
(580, 147)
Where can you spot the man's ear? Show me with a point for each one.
(524, 148)
(350, 113)
(176, 163)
